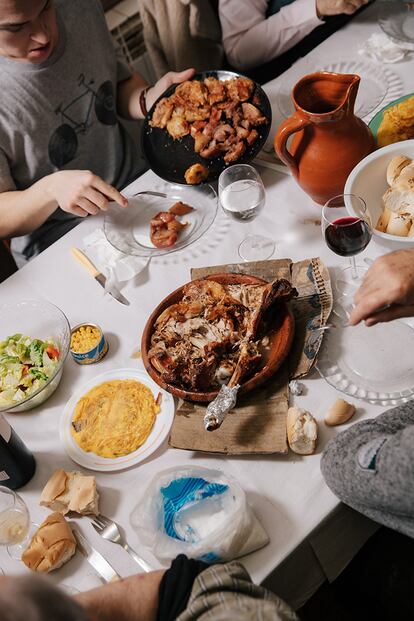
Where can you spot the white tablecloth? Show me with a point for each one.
(287, 493)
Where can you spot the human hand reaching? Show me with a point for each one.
(388, 285)
(82, 193)
(163, 83)
(336, 7)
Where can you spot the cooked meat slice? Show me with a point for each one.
(193, 92)
(180, 209)
(235, 152)
(242, 132)
(193, 114)
(239, 89)
(201, 140)
(163, 217)
(164, 229)
(197, 126)
(253, 114)
(196, 174)
(216, 90)
(248, 360)
(223, 131)
(162, 113)
(246, 124)
(252, 137)
(212, 150)
(207, 291)
(178, 127)
(214, 120)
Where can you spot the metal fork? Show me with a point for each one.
(109, 530)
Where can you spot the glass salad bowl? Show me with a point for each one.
(34, 343)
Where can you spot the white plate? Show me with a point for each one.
(379, 85)
(157, 436)
(374, 364)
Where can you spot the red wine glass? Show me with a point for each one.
(347, 235)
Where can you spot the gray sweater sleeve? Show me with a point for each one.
(370, 467)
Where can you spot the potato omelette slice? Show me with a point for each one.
(114, 418)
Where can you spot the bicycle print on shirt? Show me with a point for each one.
(76, 119)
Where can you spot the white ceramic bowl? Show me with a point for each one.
(368, 180)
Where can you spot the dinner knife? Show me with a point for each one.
(95, 558)
(100, 278)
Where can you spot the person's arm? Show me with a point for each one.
(250, 39)
(132, 599)
(129, 91)
(79, 192)
(387, 291)
(370, 467)
(227, 592)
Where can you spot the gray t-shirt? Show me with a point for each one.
(61, 114)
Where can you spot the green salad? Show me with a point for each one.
(26, 364)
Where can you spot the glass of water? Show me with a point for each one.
(14, 522)
(242, 197)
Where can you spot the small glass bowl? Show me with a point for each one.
(42, 320)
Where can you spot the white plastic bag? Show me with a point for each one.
(198, 512)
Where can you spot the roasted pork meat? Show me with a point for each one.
(217, 114)
(212, 335)
(165, 228)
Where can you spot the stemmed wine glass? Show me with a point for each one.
(242, 196)
(14, 522)
(347, 235)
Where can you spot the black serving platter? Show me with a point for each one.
(169, 158)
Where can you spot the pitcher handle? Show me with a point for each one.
(292, 125)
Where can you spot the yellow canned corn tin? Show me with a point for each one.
(87, 343)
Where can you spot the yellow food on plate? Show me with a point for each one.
(397, 123)
(114, 418)
(84, 339)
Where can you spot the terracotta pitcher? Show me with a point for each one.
(328, 139)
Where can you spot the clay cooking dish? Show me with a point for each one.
(281, 337)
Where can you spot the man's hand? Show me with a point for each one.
(389, 282)
(169, 78)
(335, 7)
(82, 193)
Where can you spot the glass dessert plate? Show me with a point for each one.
(374, 364)
(128, 230)
(396, 18)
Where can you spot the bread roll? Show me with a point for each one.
(383, 220)
(339, 413)
(394, 168)
(70, 491)
(302, 431)
(52, 545)
(398, 225)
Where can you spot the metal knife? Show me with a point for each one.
(104, 570)
(100, 278)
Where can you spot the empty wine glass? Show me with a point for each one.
(14, 522)
(242, 197)
(347, 235)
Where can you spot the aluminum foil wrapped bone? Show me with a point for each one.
(222, 404)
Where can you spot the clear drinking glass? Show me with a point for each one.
(14, 522)
(347, 235)
(242, 197)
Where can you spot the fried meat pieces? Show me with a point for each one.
(165, 228)
(211, 337)
(216, 113)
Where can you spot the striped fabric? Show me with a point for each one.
(226, 593)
